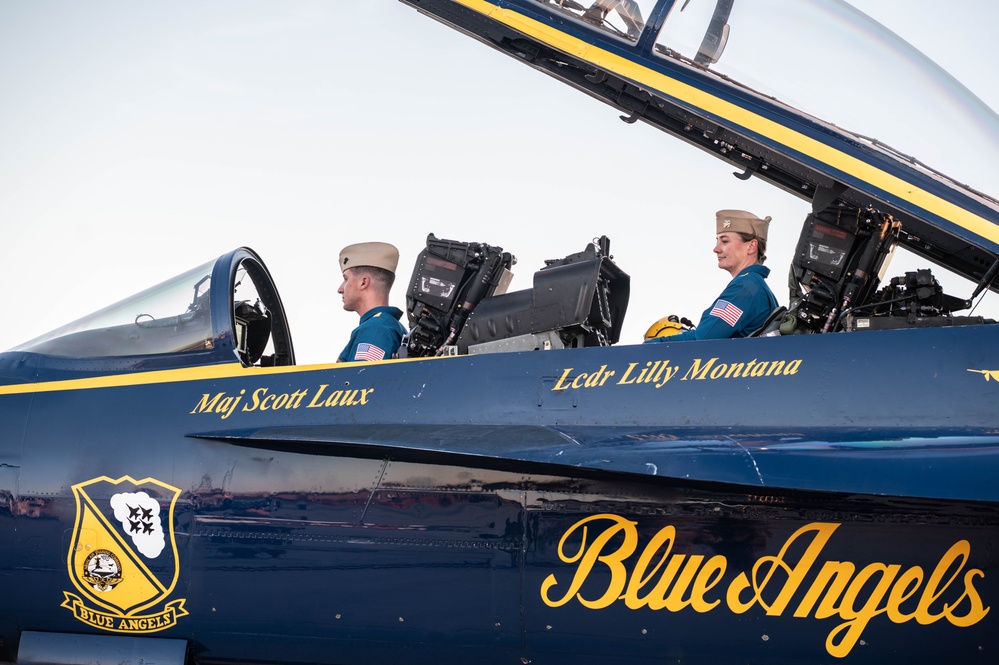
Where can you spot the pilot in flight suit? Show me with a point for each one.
(745, 304)
(368, 274)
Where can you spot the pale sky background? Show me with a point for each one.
(138, 140)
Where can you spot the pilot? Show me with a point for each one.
(368, 274)
(746, 303)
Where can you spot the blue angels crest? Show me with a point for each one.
(123, 556)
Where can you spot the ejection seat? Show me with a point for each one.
(457, 302)
(771, 327)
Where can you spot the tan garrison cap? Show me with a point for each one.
(741, 221)
(376, 254)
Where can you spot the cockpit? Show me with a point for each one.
(768, 57)
(228, 310)
(223, 310)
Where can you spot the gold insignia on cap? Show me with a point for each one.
(740, 221)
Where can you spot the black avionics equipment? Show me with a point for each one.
(579, 300)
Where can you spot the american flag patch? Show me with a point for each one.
(368, 352)
(727, 312)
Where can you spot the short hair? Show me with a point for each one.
(761, 245)
(386, 278)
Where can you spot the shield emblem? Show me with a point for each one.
(123, 555)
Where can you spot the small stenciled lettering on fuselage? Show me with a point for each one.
(225, 404)
(801, 581)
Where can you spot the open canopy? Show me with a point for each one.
(813, 96)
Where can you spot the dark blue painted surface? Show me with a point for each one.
(812, 498)
(425, 520)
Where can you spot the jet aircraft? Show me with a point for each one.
(518, 486)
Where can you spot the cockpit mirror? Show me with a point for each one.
(712, 47)
(697, 31)
(716, 36)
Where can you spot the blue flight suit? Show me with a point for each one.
(377, 336)
(740, 310)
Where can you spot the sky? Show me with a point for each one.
(138, 140)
